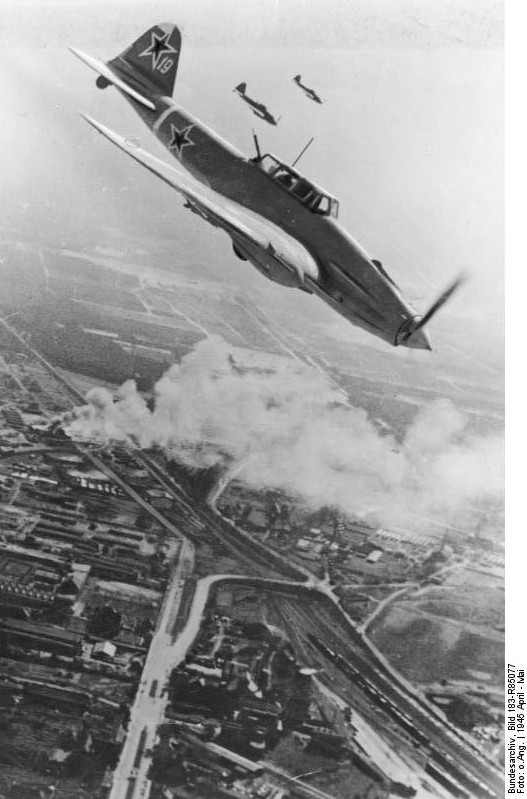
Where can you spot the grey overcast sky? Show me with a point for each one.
(409, 137)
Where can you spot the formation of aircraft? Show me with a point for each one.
(277, 219)
(259, 109)
(311, 93)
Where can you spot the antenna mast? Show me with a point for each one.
(297, 159)
(257, 145)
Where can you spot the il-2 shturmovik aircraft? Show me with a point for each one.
(311, 93)
(259, 109)
(280, 221)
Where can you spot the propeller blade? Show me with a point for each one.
(444, 297)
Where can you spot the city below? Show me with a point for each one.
(173, 631)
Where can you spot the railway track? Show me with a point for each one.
(469, 776)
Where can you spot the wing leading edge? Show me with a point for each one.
(243, 225)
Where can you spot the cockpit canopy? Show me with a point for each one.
(306, 192)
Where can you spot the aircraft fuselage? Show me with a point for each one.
(348, 279)
(311, 93)
(259, 109)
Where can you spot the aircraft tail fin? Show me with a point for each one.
(297, 78)
(241, 87)
(152, 60)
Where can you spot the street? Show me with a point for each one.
(149, 707)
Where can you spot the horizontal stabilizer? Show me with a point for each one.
(109, 75)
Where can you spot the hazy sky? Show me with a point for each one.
(409, 137)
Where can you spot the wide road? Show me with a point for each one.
(148, 709)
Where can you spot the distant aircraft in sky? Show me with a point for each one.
(277, 219)
(259, 109)
(311, 93)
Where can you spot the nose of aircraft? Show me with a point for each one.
(418, 341)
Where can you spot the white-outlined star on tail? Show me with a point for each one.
(158, 48)
(179, 138)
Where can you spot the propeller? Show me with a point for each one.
(412, 334)
(444, 297)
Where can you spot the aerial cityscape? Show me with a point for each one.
(246, 550)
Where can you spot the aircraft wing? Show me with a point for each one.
(239, 222)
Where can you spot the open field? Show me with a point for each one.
(447, 632)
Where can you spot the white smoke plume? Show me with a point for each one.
(288, 427)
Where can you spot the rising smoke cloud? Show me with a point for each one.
(289, 427)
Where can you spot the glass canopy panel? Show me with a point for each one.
(301, 188)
